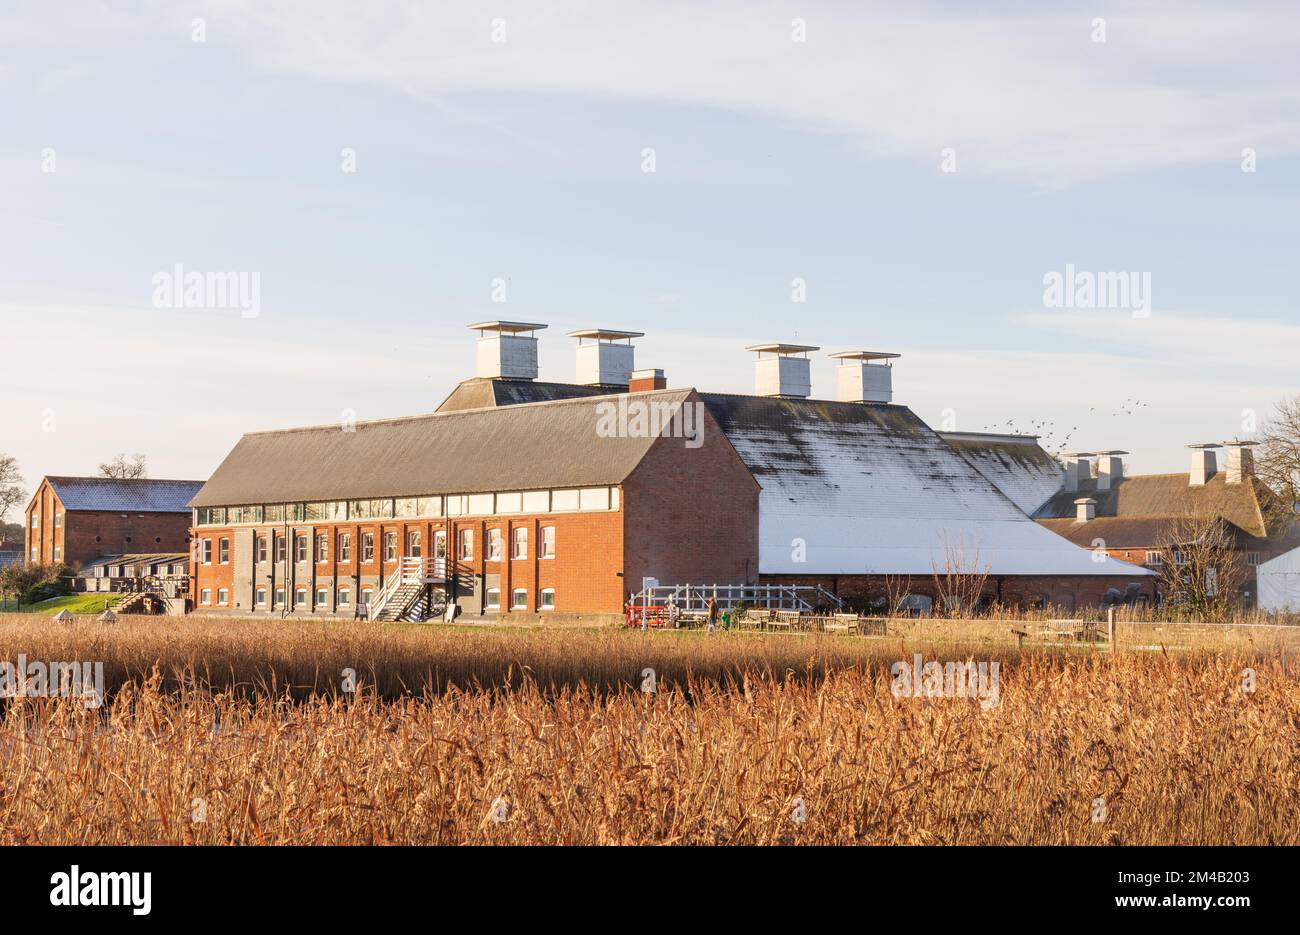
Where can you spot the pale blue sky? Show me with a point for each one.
(522, 160)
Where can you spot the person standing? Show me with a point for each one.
(713, 614)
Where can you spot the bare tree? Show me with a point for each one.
(123, 468)
(1278, 461)
(11, 485)
(1201, 569)
(959, 581)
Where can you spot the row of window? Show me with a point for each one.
(414, 546)
(58, 521)
(1157, 558)
(518, 598)
(572, 500)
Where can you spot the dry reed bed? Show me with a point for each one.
(1179, 753)
(309, 657)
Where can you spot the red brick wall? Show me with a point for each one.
(588, 555)
(86, 534)
(692, 513)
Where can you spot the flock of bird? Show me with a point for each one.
(1054, 439)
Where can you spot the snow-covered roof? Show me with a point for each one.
(1016, 464)
(853, 488)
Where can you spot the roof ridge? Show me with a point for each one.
(420, 417)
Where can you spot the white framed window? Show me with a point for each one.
(547, 549)
(322, 597)
(206, 551)
(261, 548)
(322, 549)
(223, 596)
(593, 498)
(300, 548)
(58, 520)
(414, 544)
(466, 544)
(345, 597)
(390, 546)
(365, 596)
(261, 597)
(367, 547)
(1155, 558)
(519, 539)
(481, 504)
(279, 597)
(281, 546)
(519, 599)
(36, 553)
(36, 521)
(493, 598)
(547, 599)
(345, 547)
(1180, 558)
(1252, 559)
(299, 597)
(510, 503)
(58, 553)
(495, 545)
(223, 551)
(205, 596)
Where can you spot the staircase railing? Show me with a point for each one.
(408, 570)
(694, 597)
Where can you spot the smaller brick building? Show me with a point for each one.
(77, 519)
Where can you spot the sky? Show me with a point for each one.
(899, 177)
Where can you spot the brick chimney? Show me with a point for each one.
(1204, 463)
(785, 371)
(643, 380)
(1240, 460)
(507, 349)
(864, 376)
(1085, 509)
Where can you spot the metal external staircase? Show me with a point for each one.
(405, 596)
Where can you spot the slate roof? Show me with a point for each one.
(138, 495)
(1016, 464)
(484, 392)
(870, 488)
(1122, 532)
(518, 447)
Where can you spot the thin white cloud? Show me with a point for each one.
(1028, 94)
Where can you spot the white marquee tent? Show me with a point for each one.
(1279, 583)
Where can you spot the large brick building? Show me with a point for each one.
(1144, 518)
(522, 496)
(76, 519)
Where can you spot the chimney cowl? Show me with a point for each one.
(1085, 509)
(785, 372)
(605, 357)
(864, 376)
(507, 349)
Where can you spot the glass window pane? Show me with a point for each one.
(510, 502)
(593, 498)
(564, 500)
(480, 504)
